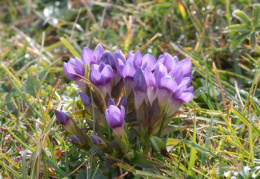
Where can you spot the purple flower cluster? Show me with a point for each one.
(166, 78)
(137, 84)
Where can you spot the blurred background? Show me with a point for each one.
(36, 36)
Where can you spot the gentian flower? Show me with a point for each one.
(66, 122)
(140, 88)
(115, 117)
(79, 141)
(101, 75)
(85, 99)
(109, 59)
(168, 61)
(89, 57)
(100, 144)
(74, 69)
(99, 117)
(96, 140)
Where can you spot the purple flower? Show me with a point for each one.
(159, 72)
(151, 85)
(137, 60)
(140, 87)
(101, 75)
(118, 54)
(167, 86)
(148, 62)
(110, 101)
(168, 61)
(115, 117)
(74, 69)
(66, 122)
(123, 101)
(109, 59)
(186, 65)
(96, 140)
(128, 72)
(86, 100)
(89, 57)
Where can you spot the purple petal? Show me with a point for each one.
(109, 59)
(114, 117)
(150, 60)
(159, 72)
(130, 55)
(106, 74)
(184, 83)
(185, 97)
(122, 113)
(119, 55)
(86, 100)
(123, 101)
(139, 81)
(151, 94)
(186, 65)
(137, 59)
(128, 70)
(95, 76)
(149, 77)
(62, 117)
(75, 139)
(169, 83)
(98, 52)
(163, 97)
(110, 101)
(177, 74)
(96, 140)
(190, 89)
(170, 62)
(65, 66)
(88, 57)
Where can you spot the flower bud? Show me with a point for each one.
(66, 122)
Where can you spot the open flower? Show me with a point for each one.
(74, 69)
(89, 57)
(101, 76)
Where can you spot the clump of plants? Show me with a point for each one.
(128, 104)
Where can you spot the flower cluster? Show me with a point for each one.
(133, 93)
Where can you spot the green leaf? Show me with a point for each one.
(256, 13)
(31, 85)
(199, 148)
(158, 144)
(193, 151)
(240, 15)
(239, 28)
(252, 40)
(246, 121)
(239, 40)
(24, 168)
(69, 47)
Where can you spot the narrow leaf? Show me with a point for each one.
(69, 47)
(256, 13)
(239, 40)
(252, 40)
(24, 168)
(240, 15)
(239, 27)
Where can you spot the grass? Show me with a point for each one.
(217, 134)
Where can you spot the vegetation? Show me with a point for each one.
(217, 133)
